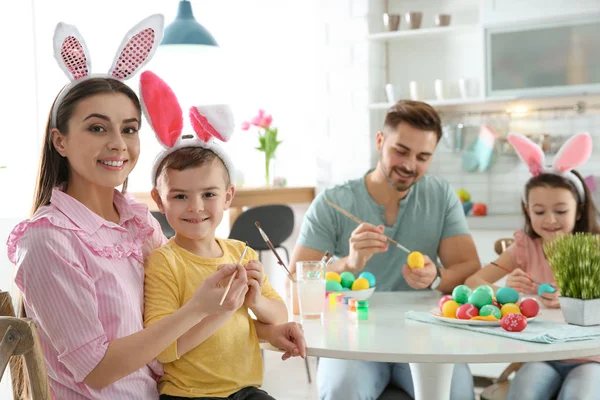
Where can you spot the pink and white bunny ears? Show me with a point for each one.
(163, 112)
(573, 153)
(137, 48)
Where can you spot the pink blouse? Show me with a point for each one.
(82, 280)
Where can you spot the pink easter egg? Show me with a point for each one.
(514, 322)
(467, 311)
(444, 299)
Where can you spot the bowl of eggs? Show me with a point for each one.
(349, 285)
(482, 307)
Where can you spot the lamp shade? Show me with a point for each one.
(185, 30)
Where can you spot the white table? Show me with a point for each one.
(430, 349)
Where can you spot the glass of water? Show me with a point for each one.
(311, 288)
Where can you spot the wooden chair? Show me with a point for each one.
(20, 347)
(499, 389)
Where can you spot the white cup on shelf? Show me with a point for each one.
(389, 93)
(414, 90)
(439, 89)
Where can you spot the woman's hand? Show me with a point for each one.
(521, 281)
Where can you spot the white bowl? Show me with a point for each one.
(358, 294)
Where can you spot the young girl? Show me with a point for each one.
(555, 201)
(80, 257)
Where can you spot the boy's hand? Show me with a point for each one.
(288, 337)
(254, 269)
(207, 297)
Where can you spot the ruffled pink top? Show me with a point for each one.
(82, 280)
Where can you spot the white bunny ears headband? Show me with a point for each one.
(137, 48)
(163, 112)
(573, 153)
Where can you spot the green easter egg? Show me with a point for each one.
(480, 298)
(490, 310)
(545, 288)
(345, 289)
(347, 279)
(506, 295)
(333, 286)
(487, 288)
(461, 294)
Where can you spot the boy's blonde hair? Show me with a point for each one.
(189, 157)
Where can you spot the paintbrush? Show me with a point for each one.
(509, 271)
(268, 242)
(233, 276)
(358, 221)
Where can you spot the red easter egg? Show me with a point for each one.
(495, 303)
(467, 311)
(444, 299)
(529, 308)
(514, 322)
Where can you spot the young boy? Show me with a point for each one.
(220, 357)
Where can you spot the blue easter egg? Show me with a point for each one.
(506, 295)
(467, 205)
(369, 277)
(545, 288)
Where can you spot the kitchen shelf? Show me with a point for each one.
(436, 103)
(412, 33)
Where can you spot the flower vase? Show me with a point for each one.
(268, 170)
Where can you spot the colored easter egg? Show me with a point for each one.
(333, 276)
(360, 284)
(333, 286)
(449, 309)
(461, 294)
(480, 298)
(510, 308)
(506, 295)
(529, 308)
(444, 299)
(347, 279)
(513, 322)
(467, 311)
(345, 289)
(545, 288)
(415, 260)
(490, 310)
(495, 303)
(369, 277)
(487, 288)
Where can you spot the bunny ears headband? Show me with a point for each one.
(163, 112)
(573, 153)
(137, 48)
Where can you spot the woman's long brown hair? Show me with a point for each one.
(54, 172)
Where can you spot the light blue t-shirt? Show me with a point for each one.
(430, 212)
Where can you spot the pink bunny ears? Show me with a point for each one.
(573, 153)
(163, 112)
(137, 48)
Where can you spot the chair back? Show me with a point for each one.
(164, 224)
(20, 347)
(502, 244)
(277, 220)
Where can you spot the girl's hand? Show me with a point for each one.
(254, 269)
(521, 281)
(550, 300)
(207, 297)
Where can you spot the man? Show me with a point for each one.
(419, 211)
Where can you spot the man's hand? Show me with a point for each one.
(366, 240)
(420, 278)
(550, 300)
(288, 337)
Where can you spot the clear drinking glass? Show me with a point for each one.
(311, 288)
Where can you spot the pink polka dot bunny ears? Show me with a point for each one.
(572, 154)
(137, 48)
(165, 116)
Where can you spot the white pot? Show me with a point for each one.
(580, 312)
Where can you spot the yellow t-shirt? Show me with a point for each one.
(227, 361)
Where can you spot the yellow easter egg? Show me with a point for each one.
(360, 284)
(333, 276)
(449, 309)
(510, 308)
(415, 260)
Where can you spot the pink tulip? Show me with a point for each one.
(245, 125)
(256, 120)
(266, 121)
